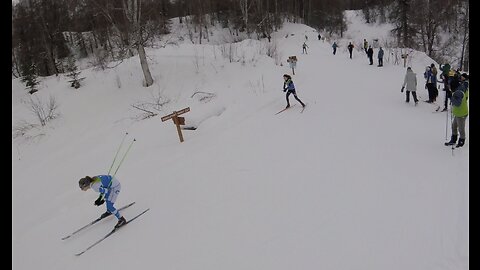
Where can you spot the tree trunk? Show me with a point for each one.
(144, 63)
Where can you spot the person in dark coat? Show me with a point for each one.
(304, 46)
(431, 84)
(380, 57)
(350, 49)
(370, 54)
(334, 46)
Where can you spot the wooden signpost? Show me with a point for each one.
(177, 120)
(404, 56)
(292, 61)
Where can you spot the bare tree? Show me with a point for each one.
(464, 62)
(44, 112)
(133, 13)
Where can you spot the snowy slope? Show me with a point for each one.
(359, 180)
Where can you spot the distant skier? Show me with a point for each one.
(319, 37)
(350, 49)
(304, 46)
(109, 187)
(334, 46)
(411, 82)
(289, 87)
(370, 54)
(380, 57)
(365, 45)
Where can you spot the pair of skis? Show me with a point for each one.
(107, 235)
(291, 107)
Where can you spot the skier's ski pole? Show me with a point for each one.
(451, 123)
(126, 133)
(446, 112)
(130, 146)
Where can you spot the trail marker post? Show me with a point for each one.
(292, 61)
(404, 57)
(177, 120)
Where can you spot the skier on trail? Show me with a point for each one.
(109, 187)
(350, 49)
(334, 46)
(289, 87)
(304, 46)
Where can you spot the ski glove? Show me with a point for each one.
(403, 87)
(99, 201)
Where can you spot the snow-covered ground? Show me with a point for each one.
(359, 180)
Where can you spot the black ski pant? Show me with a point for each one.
(414, 94)
(432, 92)
(294, 95)
(448, 95)
(350, 51)
(380, 61)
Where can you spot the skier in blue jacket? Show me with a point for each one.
(289, 87)
(109, 187)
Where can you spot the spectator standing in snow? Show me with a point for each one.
(304, 46)
(445, 68)
(370, 54)
(459, 111)
(334, 46)
(350, 49)
(289, 87)
(431, 84)
(319, 37)
(380, 57)
(365, 45)
(410, 82)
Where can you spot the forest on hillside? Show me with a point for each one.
(45, 31)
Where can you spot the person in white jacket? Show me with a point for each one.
(410, 82)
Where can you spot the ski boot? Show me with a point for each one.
(106, 214)
(452, 141)
(461, 142)
(121, 221)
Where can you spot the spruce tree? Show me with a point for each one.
(73, 73)
(30, 78)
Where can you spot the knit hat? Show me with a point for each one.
(465, 75)
(84, 182)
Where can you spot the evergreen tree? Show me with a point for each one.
(30, 78)
(73, 73)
